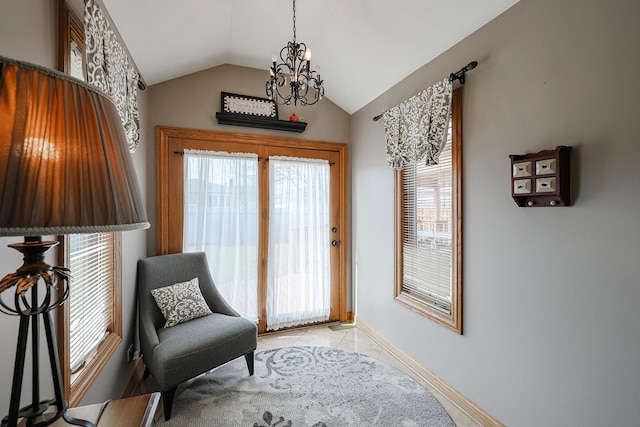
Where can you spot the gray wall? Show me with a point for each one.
(550, 294)
(28, 31)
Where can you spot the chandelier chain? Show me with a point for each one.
(294, 21)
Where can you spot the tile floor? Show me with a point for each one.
(354, 339)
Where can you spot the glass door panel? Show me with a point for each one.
(221, 219)
(299, 258)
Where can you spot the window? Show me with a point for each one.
(429, 231)
(90, 322)
(91, 326)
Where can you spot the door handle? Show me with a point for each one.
(335, 243)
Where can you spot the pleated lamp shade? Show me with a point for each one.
(65, 167)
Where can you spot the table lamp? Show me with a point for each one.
(64, 169)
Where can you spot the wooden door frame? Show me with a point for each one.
(168, 142)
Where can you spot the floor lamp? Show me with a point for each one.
(64, 169)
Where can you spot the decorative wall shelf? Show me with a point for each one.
(541, 179)
(251, 111)
(260, 122)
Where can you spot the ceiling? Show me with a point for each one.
(362, 46)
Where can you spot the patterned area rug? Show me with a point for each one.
(307, 387)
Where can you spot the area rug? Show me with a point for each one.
(307, 387)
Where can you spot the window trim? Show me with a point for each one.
(70, 28)
(420, 305)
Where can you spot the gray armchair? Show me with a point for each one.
(176, 354)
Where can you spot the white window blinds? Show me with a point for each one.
(91, 261)
(427, 230)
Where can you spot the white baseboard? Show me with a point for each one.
(473, 411)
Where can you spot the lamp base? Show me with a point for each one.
(30, 310)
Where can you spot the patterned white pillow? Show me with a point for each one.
(181, 302)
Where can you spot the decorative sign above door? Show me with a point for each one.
(250, 105)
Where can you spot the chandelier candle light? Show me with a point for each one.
(305, 86)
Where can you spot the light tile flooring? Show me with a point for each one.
(354, 339)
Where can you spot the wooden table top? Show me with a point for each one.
(130, 412)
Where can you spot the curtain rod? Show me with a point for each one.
(181, 153)
(458, 75)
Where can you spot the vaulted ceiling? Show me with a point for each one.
(362, 46)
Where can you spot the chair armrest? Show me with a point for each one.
(220, 305)
(148, 336)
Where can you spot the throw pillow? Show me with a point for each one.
(181, 302)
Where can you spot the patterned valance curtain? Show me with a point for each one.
(417, 128)
(110, 70)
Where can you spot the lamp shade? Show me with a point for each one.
(64, 163)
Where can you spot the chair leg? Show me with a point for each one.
(167, 398)
(249, 358)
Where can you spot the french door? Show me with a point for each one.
(268, 213)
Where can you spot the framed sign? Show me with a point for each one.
(248, 105)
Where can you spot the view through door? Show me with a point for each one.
(299, 242)
(268, 217)
(221, 219)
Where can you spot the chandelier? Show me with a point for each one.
(294, 70)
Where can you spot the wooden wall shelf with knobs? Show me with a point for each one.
(541, 179)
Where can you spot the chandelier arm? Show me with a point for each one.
(277, 81)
